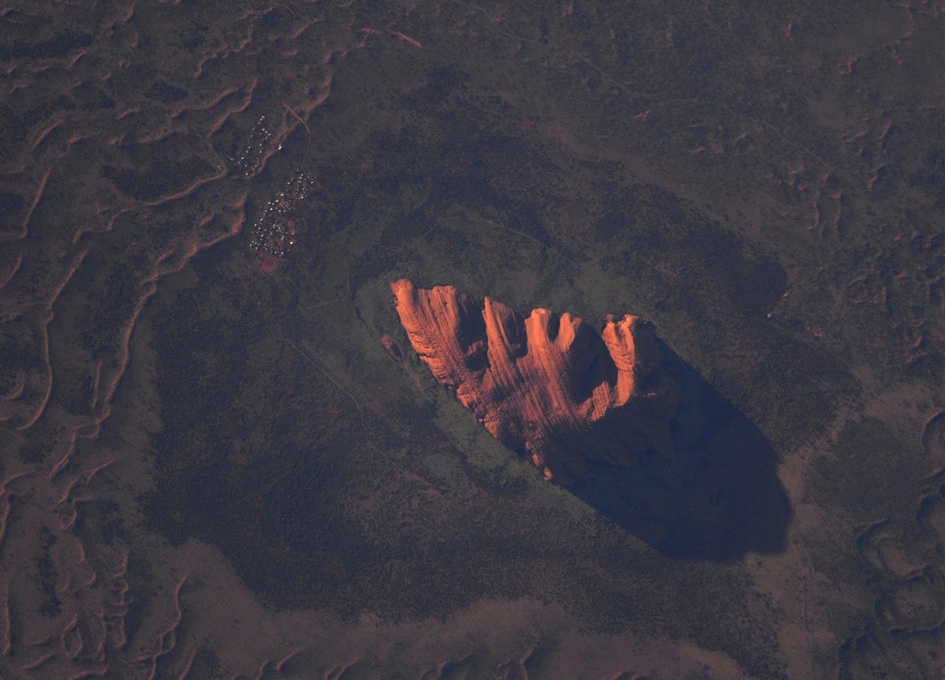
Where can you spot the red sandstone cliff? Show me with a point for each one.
(549, 385)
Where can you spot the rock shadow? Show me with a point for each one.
(720, 500)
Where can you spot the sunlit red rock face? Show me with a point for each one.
(547, 385)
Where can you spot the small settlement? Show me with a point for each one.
(274, 231)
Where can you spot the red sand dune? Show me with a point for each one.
(548, 385)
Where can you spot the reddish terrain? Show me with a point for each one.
(208, 471)
(550, 385)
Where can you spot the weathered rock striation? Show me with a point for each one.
(547, 385)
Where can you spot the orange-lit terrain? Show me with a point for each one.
(545, 384)
(225, 455)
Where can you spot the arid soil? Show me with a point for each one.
(220, 456)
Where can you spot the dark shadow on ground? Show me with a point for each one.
(722, 498)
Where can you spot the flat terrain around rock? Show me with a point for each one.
(221, 457)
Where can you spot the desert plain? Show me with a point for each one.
(220, 457)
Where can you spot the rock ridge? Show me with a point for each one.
(547, 385)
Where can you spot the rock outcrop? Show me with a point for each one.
(392, 347)
(549, 386)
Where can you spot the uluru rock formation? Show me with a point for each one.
(548, 385)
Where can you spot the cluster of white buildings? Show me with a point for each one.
(250, 157)
(274, 231)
